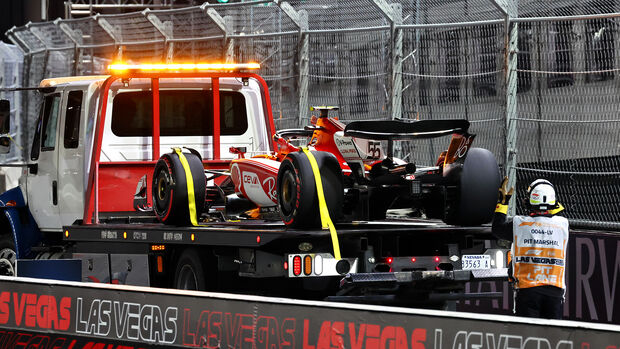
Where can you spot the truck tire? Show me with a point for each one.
(170, 197)
(190, 272)
(297, 196)
(477, 193)
(7, 255)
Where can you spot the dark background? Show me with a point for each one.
(19, 12)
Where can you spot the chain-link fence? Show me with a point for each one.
(537, 80)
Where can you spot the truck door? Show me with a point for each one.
(42, 181)
(71, 159)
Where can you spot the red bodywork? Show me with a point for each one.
(255, 178)
(106, 180)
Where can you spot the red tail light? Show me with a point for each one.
(296, 265)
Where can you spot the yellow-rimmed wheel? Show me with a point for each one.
(297, 194)
(169, 188)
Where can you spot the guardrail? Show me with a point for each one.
(45, 314)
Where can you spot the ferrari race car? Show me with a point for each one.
(360, 181)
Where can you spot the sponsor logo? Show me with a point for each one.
(269, 186)
(539, 260)
(539, 225)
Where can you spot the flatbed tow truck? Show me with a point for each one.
(84, 197)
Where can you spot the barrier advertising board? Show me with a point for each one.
(56, 314)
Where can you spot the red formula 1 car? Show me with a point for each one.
(360, 181)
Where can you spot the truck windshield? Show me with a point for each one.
(182, 113)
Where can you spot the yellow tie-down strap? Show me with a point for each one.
(326, 221)
(191, 200)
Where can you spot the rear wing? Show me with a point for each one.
(393, 130)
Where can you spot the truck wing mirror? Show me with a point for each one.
(5, 116)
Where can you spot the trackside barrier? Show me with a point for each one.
(592, 276)
(55, 314)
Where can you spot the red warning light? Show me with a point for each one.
(436, 259)
(258, 239)
(296, 265)
(413, 259)
(390, 260)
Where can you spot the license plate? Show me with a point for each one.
(476, 261)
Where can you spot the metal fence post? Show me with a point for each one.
(397, 61)
(47, 51)
(165, 29)
(510, 11)
(300, 18)
(74, 38)
(225, 25)
(229, 42)
(113, 32)
(304, 65)
(394, 14)
(25, 105)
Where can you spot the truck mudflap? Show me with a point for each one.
(38, 313)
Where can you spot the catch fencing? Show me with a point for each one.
(538, 81)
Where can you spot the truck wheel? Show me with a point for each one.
(477, 194)
(297, 196)
(190, 272)
(170, 198)
(7, 255)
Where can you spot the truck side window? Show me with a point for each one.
(72, 119)
(50, 121)
(36, 142)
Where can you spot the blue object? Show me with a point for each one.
(25, 231)
(55, 269)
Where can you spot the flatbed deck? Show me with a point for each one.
(248, 233)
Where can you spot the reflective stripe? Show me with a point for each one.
(326, 221)
(190, 187)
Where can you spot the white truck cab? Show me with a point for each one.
(55, 183)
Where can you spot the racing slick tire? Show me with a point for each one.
(297, 194)
(477, 195)
(190, 272)
(170, 197)
(7, 255)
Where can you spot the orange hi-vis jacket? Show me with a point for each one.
(539, 251)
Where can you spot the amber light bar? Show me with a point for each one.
(121, 67)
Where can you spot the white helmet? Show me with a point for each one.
(541, 195)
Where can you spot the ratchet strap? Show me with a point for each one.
(499, 208)
(326, 221)
(190, 186)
